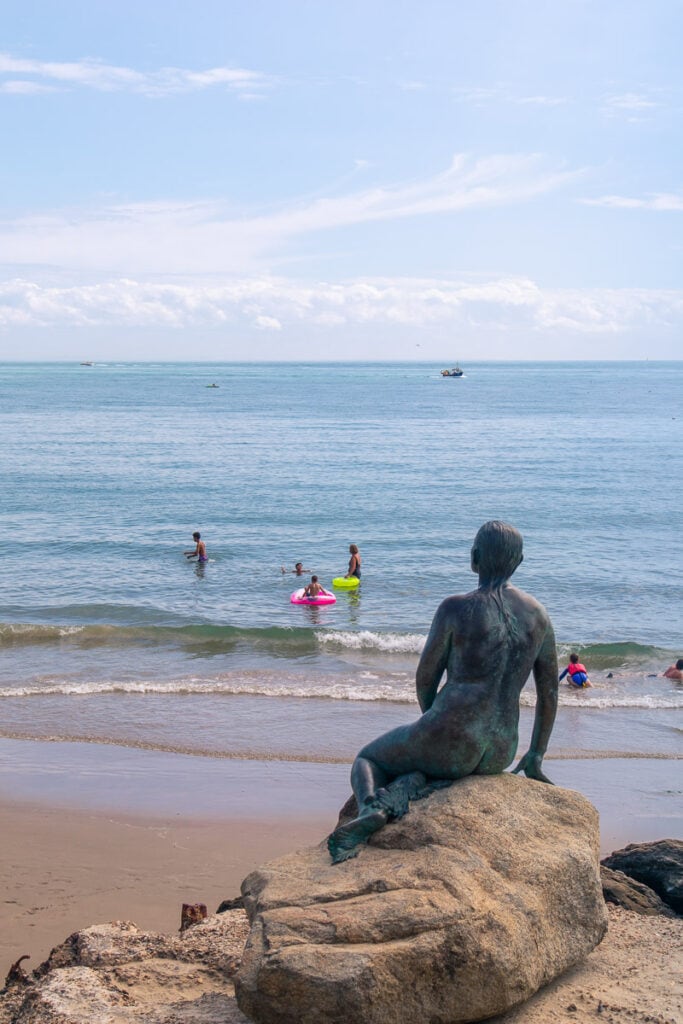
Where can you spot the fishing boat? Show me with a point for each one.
(455, 371)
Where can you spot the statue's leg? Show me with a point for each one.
(366, 779)
(384, 804)
(368, 782)
(387, 774)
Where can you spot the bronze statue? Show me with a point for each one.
(487, 642)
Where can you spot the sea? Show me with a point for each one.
(110, 635)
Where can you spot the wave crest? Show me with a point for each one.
(366, 640)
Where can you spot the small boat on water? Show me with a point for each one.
(87, 364)
(455, 371)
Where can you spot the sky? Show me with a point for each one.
(341, 179)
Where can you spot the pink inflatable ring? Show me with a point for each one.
(323, 598)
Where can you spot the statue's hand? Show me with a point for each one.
(530, 764)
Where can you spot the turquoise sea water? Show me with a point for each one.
(108, 634)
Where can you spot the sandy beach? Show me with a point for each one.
(93, 833)
(65, 869)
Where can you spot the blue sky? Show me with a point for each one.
(283, 179)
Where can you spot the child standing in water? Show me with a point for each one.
(200, 550)
(577, 673)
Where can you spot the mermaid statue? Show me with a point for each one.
(487, 642)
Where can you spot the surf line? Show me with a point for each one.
(297, 758)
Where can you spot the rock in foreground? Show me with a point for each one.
(117, 974)
(626, 892)
(658, 865)
(483, 893)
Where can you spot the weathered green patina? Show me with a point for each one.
(487, 642)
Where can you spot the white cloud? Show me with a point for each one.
(480, 95)
(477, 94)
(631, 102)
(95, 74)
(24, 87)
(653, 201)
(272, 304)
(211, 237)
(540, 101)
(633, 107)
(268, 323)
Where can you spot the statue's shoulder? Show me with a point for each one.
(457, 601)
(451, 607)
(531, 603)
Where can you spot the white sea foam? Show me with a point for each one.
(16, 630)
(613, 700)
(396, 687)
(365, 640)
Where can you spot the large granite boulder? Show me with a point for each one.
(483, 893)
(658, 865)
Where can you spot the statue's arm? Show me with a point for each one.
(545, 677)
(433, 660)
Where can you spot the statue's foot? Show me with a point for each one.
(345, 841)
(395, 799)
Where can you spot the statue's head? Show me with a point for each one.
(497, 551)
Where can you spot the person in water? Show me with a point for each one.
(487, 642)
(675, 672)
(314, 589)
(200, 550)
(354, 562)
(578, 676)
(298, 569)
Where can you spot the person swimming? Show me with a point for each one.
(675, 672)
(200, 550)
(298, 569)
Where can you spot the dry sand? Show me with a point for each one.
(635, 975)
(63, 870)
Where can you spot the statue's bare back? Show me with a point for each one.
(487, 642)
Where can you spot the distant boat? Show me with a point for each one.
(213, 385)
(455, 371)
(87, 364)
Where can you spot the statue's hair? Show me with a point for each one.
(499, 550)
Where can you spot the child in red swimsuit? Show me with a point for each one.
(577, 673)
